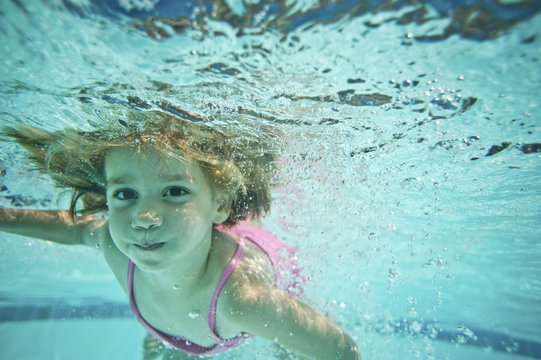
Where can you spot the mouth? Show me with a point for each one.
(151, 247)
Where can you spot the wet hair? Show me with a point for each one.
(239, 166)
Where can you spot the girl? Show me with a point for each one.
(177, 199)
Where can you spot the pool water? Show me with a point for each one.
(410, 160)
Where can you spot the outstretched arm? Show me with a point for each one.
(271, 313)
(51, 225)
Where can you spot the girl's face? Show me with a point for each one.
(161, 209)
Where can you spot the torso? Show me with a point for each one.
(182, 314)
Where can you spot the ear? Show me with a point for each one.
(223, 202)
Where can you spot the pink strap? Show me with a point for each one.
(233, 262)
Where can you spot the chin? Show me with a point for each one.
(147, 265)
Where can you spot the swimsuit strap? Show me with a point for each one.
(233, 262)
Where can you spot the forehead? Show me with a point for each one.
(150, 164)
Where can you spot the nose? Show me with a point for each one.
(146, 220)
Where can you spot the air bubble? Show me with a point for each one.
(468, 333)
(415, 327)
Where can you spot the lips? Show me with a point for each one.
(150, 247)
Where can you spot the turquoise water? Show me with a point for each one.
(410, 165)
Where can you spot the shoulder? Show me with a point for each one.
(255, 264)
(253, 304)
(254, 269)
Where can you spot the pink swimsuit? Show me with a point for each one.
(274, 249)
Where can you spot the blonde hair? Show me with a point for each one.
(237, 165)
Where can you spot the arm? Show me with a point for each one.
(271, 313)
(51, 225)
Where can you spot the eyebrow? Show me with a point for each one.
(126, 179)
(118, 180)
(176, 177)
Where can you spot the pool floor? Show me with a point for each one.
(119, 339)
(71, 339)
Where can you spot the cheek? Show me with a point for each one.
(200, 213)
(116, 225)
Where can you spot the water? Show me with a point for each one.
(410, 154)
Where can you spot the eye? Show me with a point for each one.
(125, 194)
(175, 192)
